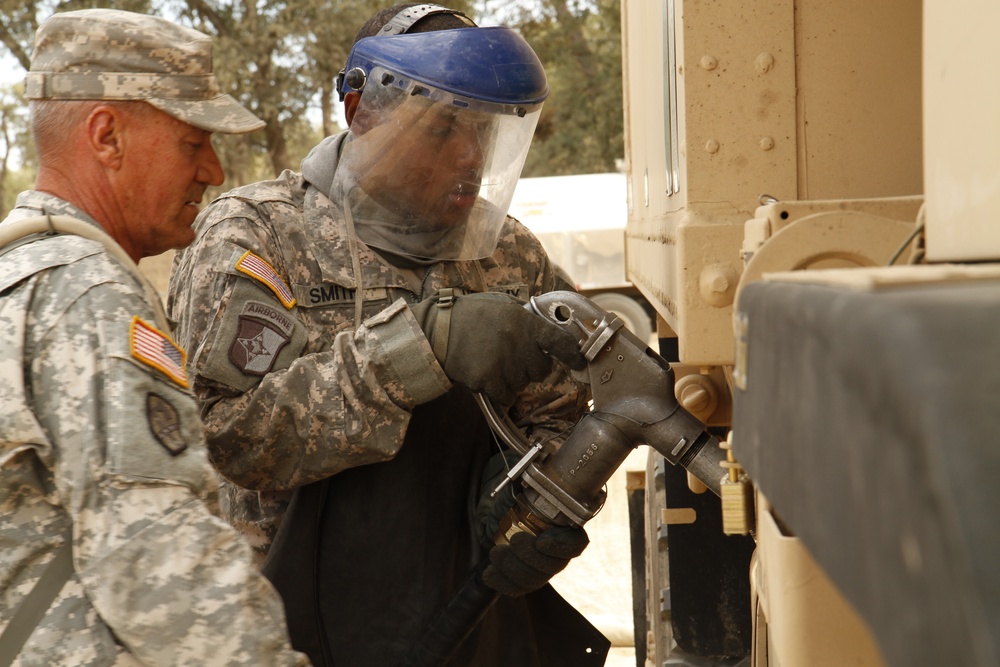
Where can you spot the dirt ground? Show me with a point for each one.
(599, 582)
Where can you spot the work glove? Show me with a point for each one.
(527, 562)
(492, 344)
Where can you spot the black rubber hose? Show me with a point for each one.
(455, 622)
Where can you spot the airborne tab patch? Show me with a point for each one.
(262, 331)
(155, 348)
(258, 269)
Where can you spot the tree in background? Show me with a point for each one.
(15, 145)
(579, 42)
(257, 63)
(280, 58)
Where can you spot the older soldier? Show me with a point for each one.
(341, 320)
(109, 551)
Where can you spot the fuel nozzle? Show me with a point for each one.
(633, 404)
(633, 387)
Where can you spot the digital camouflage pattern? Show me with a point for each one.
(96, 440)
(334, 393)
(107, 54)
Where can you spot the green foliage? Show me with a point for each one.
(14, 183)
(16, 149)
(280, 59)
(581, 127)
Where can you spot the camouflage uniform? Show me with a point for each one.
(99, 442)
(294, 390)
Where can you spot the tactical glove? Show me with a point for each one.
(528, 562)
(491, 344)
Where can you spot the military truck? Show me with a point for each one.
(813, 191)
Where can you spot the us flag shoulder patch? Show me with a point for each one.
(258, 269)
(154, 348)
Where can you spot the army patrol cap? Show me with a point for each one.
(108, 54)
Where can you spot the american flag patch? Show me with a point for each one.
(154, 348)
(260, 270)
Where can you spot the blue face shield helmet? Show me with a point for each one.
(438, 139)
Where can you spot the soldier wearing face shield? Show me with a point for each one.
(341, 321)
(427, 172)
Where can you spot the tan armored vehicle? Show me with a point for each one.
(813, 195)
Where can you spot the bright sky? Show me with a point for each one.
(10, 69)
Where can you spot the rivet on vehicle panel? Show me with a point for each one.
(717, 284)
(711, 146)
(709, 63)
(766, 143)
(763, 63)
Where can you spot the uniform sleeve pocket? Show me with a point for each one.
(153, 429)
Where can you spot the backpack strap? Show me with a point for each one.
(32, 608)
(34, 605)
(17, 233)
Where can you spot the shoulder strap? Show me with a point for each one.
(17, 243)
(33, 607)
(13, 232)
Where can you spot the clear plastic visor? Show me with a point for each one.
(429, 174)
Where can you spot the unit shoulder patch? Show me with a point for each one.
(261, 271)
(261, 333)
(154, 348)
(165, 423)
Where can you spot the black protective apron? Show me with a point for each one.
(366, 559)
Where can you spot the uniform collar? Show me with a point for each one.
(35, 202)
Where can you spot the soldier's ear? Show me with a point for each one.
(105, 134)
(351, 101)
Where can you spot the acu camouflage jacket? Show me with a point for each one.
(100, 440)
(293, 388)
